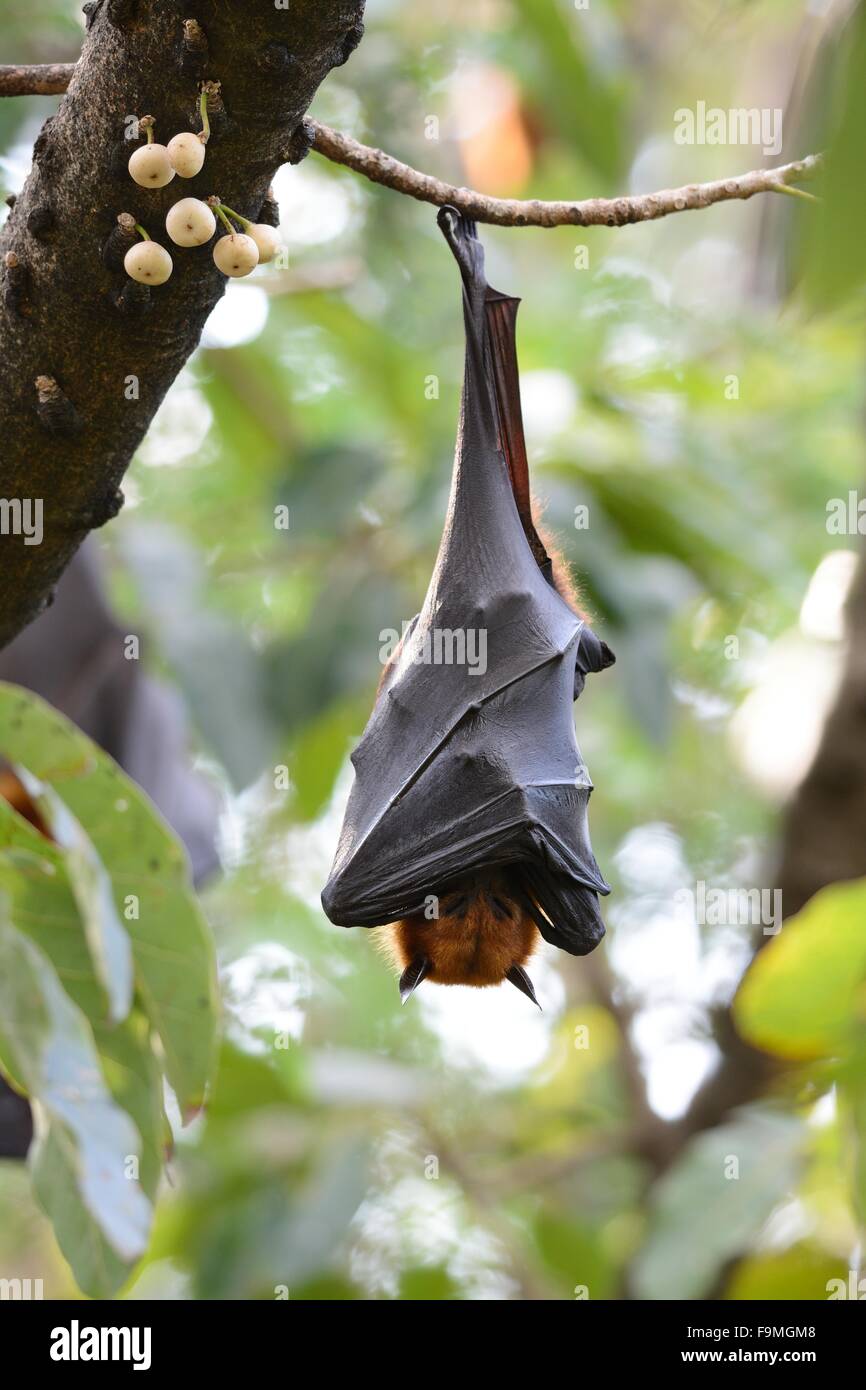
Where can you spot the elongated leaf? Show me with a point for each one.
(43, 907)
(86, 1146)
(319, 756)
(134, 1079)
(99, 1270)
(107, 939)
(580, 99)
(836, 267)
(172, 949)
(133, 1076)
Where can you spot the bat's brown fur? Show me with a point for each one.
(477, 938)
(563, 579)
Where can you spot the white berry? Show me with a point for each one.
(148, 262)
(150, 166)
(267, 239)
(190, 222)
(236, 255)
(186, 154)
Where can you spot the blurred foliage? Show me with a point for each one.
(697, 385)
(102, 952)
(804, 998)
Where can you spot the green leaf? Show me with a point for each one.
(43, 907)
(85, 1144)
(98, 1269)
(107, 939)
(427, 1284)
(172, 949)
(836, 266)
(319, 755)
(254, 1234)
(801, 1273)
(574, 1255)
(804, 996)
(133, 1075)
(579, 97)
(723, 1188)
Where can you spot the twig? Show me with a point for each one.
(590, 212)
(382, 168)
(35, 79)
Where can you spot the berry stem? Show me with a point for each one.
(218, 209)
(205, 120)
(141, 231)
(244, 221)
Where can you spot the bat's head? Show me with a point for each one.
(481, 937)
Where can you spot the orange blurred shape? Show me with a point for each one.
(12, 789)
(491, 130)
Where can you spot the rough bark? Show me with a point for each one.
(64, 317)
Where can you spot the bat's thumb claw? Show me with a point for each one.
(592, 655)
(607, 657)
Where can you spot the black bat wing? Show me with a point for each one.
(475, 765)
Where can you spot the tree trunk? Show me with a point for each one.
(825, 830)
(104, 349)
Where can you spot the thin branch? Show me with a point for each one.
(35, 79)
(382, 168)
(590, 212)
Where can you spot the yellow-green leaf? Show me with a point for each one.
(804, 996)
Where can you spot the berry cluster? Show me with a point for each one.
(191, 222)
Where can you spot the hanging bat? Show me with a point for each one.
(465, 836)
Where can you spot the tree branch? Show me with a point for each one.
(823, 842)
(35, 79)
(824, 839)
(87, 354)
(382, 168)
(590, 212)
